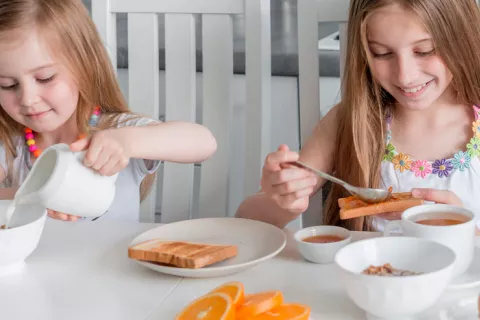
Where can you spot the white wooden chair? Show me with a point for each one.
(180, 86)
(310, 14)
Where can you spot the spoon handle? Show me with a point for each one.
(321, 174)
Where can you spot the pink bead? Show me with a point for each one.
(32, 148)
(96, 112)
(29, 136)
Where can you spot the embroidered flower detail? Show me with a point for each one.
(473, 148)
(402, 162)
(461, 161)
(389, 152)
(421, 168)
(476, 128)
(442, 168)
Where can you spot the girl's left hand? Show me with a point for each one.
(435, 195)
(105, 152)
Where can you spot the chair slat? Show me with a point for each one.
(217, 112)
(310, 13)
(177, 198)
(331, 10)
(144, 81)
(106, 25)
(258, 90)
(309, 90)
(180, 6)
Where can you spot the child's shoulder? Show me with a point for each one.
(18, 142)
(130, 120)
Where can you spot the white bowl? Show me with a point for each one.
(22, 237)
(321, 252)
(396, 298)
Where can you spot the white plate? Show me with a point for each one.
(471, 277)
(256, 242)
(465, 308)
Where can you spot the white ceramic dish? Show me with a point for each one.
(396, 298)
(469, 278)
(321, 252)
(463, 308)
(256, 241)
(21, 239)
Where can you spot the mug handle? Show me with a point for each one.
(391, 229)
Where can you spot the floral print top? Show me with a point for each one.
(442, 168)
(460, 173)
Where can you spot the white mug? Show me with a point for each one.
(61, 182)
(459, 237)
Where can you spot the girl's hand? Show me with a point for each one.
(106, 151)
(61, 216)
(289, 186)
(435, 195)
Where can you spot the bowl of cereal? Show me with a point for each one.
(22, 236)
(395, 277)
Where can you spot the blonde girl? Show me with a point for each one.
(57, 85)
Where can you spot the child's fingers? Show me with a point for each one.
(436, 195)
(110, 168)
(80, 145)
(92, 155)
(294, 185)
(103, 158)
(290, 175)
(275, 159)
(296, 201)
(58, 215)
(61, 216)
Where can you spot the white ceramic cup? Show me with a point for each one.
(61, 182)
(459, 237)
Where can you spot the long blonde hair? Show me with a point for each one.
(454, 26)
(72, 35)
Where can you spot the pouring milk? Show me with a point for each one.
(61, 182)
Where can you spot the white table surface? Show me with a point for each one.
(81, 271)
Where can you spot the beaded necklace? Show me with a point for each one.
(30, 135)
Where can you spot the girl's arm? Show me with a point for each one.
(317, 152)
(173, 141)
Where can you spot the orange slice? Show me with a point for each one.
(257, 303)
(213, 306)
(290, 311)
(234, 290)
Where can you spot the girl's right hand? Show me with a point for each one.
(289, 186)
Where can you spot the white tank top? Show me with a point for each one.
(460, 174)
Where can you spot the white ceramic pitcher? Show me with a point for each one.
(61, 182)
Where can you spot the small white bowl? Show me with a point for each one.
(22, 237)
(390, 297)
(321, 252)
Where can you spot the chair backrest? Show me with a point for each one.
(310, 14)
(177, 180)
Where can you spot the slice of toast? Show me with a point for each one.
(181, 254)
(352, 207)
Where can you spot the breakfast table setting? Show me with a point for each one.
(81, 270)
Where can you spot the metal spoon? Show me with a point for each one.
(366, 194)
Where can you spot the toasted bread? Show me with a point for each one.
(180, 253)
(352, 207)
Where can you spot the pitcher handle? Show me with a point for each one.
(392, 228)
